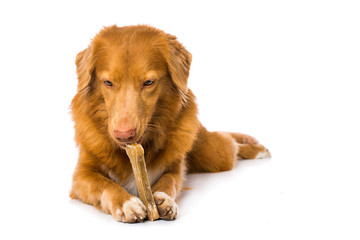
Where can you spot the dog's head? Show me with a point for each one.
(132, 70)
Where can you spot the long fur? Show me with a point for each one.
(173, 139)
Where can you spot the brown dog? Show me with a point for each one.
(133, 88)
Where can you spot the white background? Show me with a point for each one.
(286, 72)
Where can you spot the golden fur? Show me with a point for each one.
(148, 71)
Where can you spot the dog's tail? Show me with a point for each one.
(249, 147)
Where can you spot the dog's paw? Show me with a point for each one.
(166, 206)
(132, 210)
(263, 154)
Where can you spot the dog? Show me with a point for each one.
(132, 88)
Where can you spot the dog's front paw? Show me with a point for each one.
(166, 206)
(132, 210)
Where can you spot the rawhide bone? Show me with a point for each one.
(136, 154)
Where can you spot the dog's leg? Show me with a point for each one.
(91, 187)
(212, 152)
(165, 190)
(217, 151)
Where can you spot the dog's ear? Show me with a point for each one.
(179, 61)
(84, 68)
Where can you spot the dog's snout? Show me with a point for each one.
(125, 134)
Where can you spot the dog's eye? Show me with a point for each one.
(108, 83)
(148, 83)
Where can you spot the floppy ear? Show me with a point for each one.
(84, 68)
(179, 61)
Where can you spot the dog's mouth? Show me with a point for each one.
(123, 144)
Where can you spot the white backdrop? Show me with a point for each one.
(286, 72)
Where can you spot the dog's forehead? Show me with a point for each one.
(130, 52)
(130, 56)
(131, 61)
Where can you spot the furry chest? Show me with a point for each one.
(130, 184)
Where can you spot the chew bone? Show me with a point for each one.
(136, 154)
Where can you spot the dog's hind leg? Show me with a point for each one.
(212, 152)
(218, 151)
